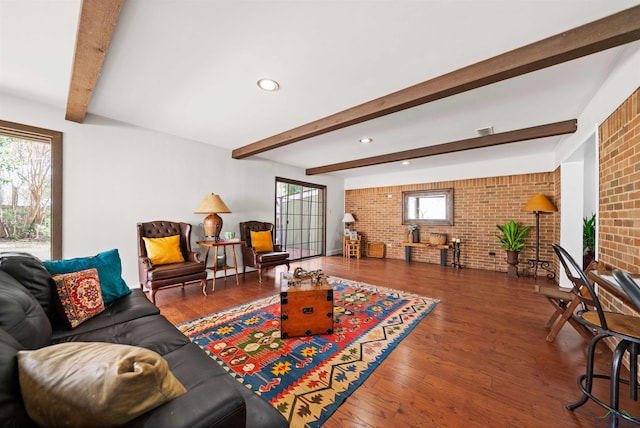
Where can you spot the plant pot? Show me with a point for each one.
(587, 258)
(512, 261)
(414, 236)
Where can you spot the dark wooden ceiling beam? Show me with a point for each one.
(98, 19)
(606, 33)
(541, 131)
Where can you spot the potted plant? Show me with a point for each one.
(513, 241)
(588, 240)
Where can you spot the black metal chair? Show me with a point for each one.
(629, 285)
(625, 328)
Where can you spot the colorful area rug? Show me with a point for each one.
(307, 378)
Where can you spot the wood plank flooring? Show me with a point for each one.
(479, 359)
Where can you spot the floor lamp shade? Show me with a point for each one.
(540, 203)
(212, 204)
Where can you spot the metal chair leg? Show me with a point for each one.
(588, 376)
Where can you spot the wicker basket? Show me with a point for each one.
(438, 238)
(375, 249)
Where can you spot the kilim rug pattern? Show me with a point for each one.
(307, 378)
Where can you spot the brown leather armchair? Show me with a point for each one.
(153, 277)
(260, 260)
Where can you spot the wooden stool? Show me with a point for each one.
(351, 247)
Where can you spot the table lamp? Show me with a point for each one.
(212, 204)
(347, 220)
(539, 204)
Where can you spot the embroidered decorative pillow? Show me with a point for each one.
(92, 384)
(79, 295)
(262, 241)
(162, 251)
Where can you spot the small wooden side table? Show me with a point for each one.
(227, 266)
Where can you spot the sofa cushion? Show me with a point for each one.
(93, 384)
(31, 273)
(262, 241)
(275, 256)
(210, 389)
(133, 306)
(162, 251)
(172, 270)
(79, 295)
(153, 332)
(21, 315)
(109, 269)
(12, 411)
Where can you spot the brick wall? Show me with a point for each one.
(619, 219)
(619, 216)
(479, 204)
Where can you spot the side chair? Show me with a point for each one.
(170, 262)
(259, 249)
(565, 302)
(624, 328)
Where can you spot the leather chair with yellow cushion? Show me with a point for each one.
(165, 258)
(259, 249)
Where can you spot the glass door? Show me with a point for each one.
(300, 218)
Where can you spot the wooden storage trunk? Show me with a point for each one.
(375, 249)
(306, 310)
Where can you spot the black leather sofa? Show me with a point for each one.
(29, 320)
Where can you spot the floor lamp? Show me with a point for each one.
(540, 204)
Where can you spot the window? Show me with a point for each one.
(31, 190)
(428, 207)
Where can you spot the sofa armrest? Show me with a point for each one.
(277, 247)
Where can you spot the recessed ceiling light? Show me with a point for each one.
(366, 140)
(268, 85)
(405, 162)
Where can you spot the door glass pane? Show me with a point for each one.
(300, 213)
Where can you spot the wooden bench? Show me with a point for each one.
(409, 245)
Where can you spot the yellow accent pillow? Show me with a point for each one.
(162, 251)
(261, 241)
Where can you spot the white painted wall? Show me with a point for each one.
(116, 175)
(572, 201)
(623, 80)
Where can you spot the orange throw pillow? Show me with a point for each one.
(262, 241)
(162, 251)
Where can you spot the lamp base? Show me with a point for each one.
(212, 226)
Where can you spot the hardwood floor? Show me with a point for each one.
(479, 359)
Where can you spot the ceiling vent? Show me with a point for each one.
(483, 132)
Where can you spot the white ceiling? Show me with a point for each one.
(189, 68)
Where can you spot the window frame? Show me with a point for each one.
(54, 138)
(447, 220)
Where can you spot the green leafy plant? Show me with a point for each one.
(513, 236)
(589, 234)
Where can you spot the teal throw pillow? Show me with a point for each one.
(109, 272)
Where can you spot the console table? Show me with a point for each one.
(409, 245)
(224, 245)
